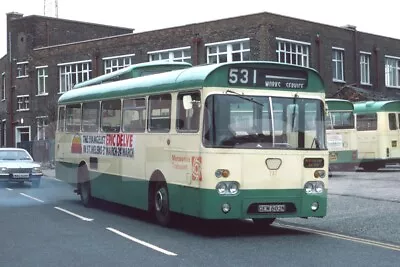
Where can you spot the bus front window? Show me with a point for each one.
(260, 122)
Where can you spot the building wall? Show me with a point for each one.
(262, 29)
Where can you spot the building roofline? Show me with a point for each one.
(84, 41)
(264, 13)
(70, 20)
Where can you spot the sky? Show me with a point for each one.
(377, 17)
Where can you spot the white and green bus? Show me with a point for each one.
(176, 142)
(378, 133)
(341, 135)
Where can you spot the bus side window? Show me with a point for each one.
(90, 117)
(392, 121)
(111, 116)
(188, 120)
(73, 118)
(159, 113)
(134, 115)
(61, 119)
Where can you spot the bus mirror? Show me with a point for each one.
(187, 102)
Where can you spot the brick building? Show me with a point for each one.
(47, 56)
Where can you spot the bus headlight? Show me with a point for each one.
(314, 187)
(227, 188)
(309, 187)
(319, 188)
(221, 188)
(233, 188)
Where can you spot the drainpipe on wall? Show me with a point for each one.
(356, 65)
(376, 52)
(195, 41)
(318, 43)
(11, 94)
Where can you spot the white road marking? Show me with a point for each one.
(169, 253)
(74, 214)
(341, 236)
(31, 197)
(9, 189)
(51, 178)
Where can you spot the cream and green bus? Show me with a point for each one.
(378, 133)
(341, 135)
(177, 142)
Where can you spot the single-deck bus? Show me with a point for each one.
(134, 71)
(341, 135)
(378, 133)
(176, 142)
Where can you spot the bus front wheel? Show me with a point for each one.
(161, 204)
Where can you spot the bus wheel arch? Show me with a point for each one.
(83, 185)
(158, 199)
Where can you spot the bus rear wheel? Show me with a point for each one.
(161, 204)
(263, 222)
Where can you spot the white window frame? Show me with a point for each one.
(69, 70)
(22, 69)
(394, 68)
(365, 66)
(42, 73)
(335, 61)
(3, 85)
(228, 50)
(157, 55)
(115, 61)
(23, 101)
(41, 124)
(290, 49)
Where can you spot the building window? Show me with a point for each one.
(3, 86)
(22, 69)
(293, 52)
(42, 75)
(73, 73)
(42, 123)
(337, 64)
(23, 102)
(365, 59)
(392, 69)
(228, 51)
(180, 54)
(118, 62)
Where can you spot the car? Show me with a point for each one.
(17, 165)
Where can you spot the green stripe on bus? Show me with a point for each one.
(203, 203)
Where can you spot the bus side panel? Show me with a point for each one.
(66, 172)
(120, 189)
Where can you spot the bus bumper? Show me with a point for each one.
(249, 204)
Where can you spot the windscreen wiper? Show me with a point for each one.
(244, 97)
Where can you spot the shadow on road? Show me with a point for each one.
(195, 226)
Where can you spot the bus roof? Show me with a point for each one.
(136, 70)
(376, 106)
(277, 76)
(339, 104)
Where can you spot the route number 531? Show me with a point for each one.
(239, 76)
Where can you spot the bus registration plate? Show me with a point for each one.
(271, 208)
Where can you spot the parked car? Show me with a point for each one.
(17, 165)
